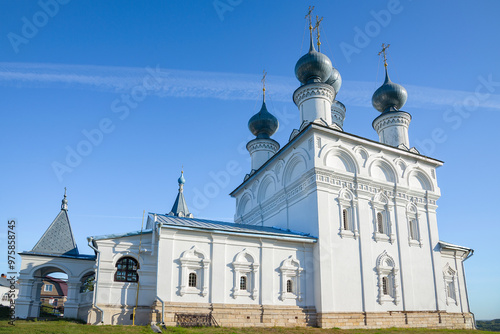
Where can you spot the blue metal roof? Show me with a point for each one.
(79, 256)
(121, 235)
(212, 225)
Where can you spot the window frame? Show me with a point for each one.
(347, 215)
(387, 279)
(413, 225)
(291, 272)
(245, 264)
(194, 260)
(127, 272)
(450, 278)
(382, 208)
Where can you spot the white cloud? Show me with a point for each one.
(227, 86)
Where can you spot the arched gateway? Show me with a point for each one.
(56, 251)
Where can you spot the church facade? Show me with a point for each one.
(331, 230)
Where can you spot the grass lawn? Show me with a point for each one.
(63, 326)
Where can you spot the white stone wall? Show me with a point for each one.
(115, 294)
(213, 258)
(458, 301)
(259, 258)
(300, 190)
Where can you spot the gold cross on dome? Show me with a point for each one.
(308, 16)
(384, 53)
(264, 73)
(316, 26)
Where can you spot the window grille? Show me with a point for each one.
(126, 270)
(385, 285)
(345, 219)
(243, 283)
(192, 280)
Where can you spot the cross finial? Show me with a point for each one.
(264, 73)
(384, 53)
(316, 26)
(64, 204)
(308, 16)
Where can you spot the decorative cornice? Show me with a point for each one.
(390, 119)
(333, 181)
(263, 144)
(313, 90)
(338, 114)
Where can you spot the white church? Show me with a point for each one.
(330, 230)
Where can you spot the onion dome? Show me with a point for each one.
(313, 66)
(335, 80)
(263, 124)
(390, 96)
(181, 179)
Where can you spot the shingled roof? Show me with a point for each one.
(58, 239)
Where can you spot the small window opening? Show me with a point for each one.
(289, 286)
(192, 280)
(345, 219)
(243, 283)
(385, 286)
(413, 229)
(380, 223)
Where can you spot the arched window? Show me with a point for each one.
(450, 288)
(192, 280)
(412, 216)
(243, 283)
(413, 229)
(345, 219)
(387, 279)
(385, 285)
(290, 279)
(126, 270)
(450, 277)
(380, 223)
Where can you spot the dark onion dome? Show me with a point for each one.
(390, 96)
(335, 80)
(263, 124)
(313, 67)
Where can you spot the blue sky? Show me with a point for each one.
(194, 69)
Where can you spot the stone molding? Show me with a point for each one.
(313, 90)
(333, 182)
(390, 119)
(262, 144)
